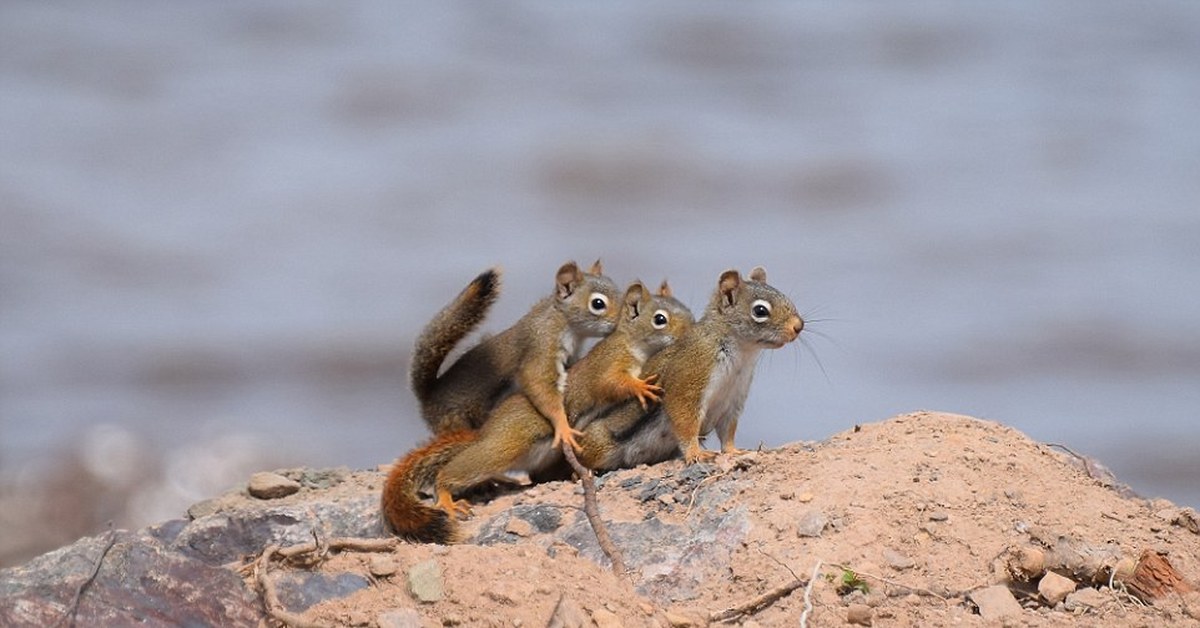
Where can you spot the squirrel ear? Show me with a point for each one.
(728, 285)
(596, 268)
(634, 297)
(567, 280)
(759, 274)
(664, 290)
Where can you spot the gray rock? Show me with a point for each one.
(425, 581)
(1054, 588)
(268, 485)
(811, 524)
(299, 590)
(140, 581)
(222, 537)
(995, 602)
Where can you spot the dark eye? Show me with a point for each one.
(760, 311)
(598, 303)
(660, 319)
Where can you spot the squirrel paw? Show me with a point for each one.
(645, 389)
(567, 435)
(456, 508)
(699, 455)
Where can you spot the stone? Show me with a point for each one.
(399, 618)
(1054, 588)
(425, 581)
(811, 524)
(859, 614)
(382, 566)
(896, 560)
(299, 590)
(939, 515)
(995, 602)
(140, 581)
(519, 527)
(269, 485)
(1086, 598)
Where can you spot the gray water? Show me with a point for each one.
(223, 224)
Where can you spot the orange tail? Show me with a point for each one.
(407, 516)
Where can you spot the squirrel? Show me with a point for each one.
(516, 437)
(530, 356)
(705, 378)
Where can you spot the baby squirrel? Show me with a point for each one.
(705, 377)
(516, 437)
(531, 356)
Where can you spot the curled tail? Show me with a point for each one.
(448, 327)
(405, 513)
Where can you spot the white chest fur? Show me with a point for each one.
(728, 386)
(568, 344)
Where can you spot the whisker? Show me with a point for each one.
(804, 343)
(820, 334)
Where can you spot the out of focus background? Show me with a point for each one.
(223, 224)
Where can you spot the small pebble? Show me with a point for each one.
(268, 485)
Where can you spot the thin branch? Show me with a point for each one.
(808, 595)
(757, 604)
(592, 510)
(68, 617)
(314, 551)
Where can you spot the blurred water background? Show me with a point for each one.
(223, 224)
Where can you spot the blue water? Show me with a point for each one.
(222, 225)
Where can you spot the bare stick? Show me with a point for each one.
(270, 597)
(808, 595)
(315, 551)
(757, 604)
(68, 618)
(592, 510)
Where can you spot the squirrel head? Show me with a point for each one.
(586, 299)
(653, 320)
(757, 313)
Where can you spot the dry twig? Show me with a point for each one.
(757, 604)
(808, 595)
(592, 510)
(313, 553)
(68, 617)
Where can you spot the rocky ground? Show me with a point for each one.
(923, 519)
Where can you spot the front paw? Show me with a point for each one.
(696, 454)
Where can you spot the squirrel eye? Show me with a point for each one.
(760, 311)
(597, 303)
(660, 319)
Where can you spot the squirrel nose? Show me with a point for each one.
(797, 325)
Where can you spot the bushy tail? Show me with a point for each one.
(453, 323)
(405, 513)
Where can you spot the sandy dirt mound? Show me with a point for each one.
(905, 522)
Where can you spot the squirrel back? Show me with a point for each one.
(528, 356)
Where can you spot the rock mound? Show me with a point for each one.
(923, 519)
